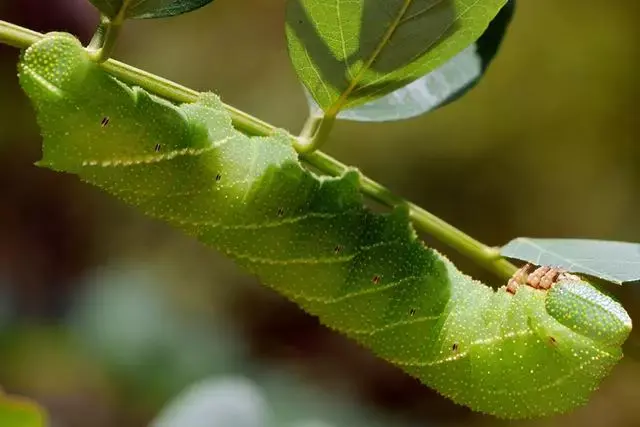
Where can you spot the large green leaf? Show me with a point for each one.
(20, 412)
(349, 52)
(312, 239)
(437, 88)
(419, 96)
(616, 262)
(142, 9)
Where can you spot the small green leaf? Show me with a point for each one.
(143, 9)
(348, 53)
(20, 412)
(616, 262)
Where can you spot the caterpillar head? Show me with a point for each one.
(52, 65)
(585, 310)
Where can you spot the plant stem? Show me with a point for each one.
(484, 255)
(16, 36)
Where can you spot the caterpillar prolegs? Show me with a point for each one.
(513, 354)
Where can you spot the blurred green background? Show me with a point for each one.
(106, 316)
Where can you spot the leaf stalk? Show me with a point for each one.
(104, 40)
(314, 134)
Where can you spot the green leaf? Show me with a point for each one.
(348, 52)
(419, 96)
(616, 262)
(20, 412)
(143, 9)
(312, 239)
(437, 88)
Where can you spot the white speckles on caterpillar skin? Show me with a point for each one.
(149, 158)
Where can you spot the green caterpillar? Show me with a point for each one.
(364, 274)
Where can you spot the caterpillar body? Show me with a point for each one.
(515, 354)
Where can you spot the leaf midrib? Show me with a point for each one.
(459, 15)
(120, 16)
(335, 108)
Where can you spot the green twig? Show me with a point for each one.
(484, 255)
(16, 36)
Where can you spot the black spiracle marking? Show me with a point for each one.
(337, 249)
(412, 312)
(376, 279)
(218, 177)
(105, 121)
(157, 148)
(280, 211)
(455, 347)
